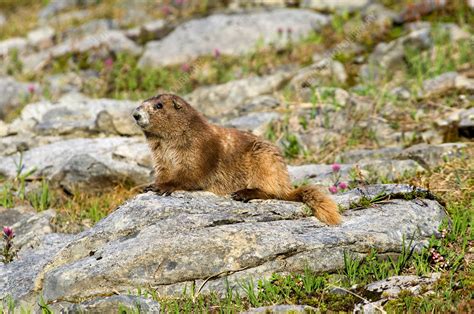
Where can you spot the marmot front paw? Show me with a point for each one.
(160, 190)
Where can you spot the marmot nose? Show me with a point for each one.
(136, 115)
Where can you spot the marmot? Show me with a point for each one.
(189, 153)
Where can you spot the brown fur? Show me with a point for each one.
(191, 154)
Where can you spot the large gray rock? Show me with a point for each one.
(230, 98)
(13, 93)
(18, 277)
(77, 116)
(234, 34)
(168, 243)
(86, 164)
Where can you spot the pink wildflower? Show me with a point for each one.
(333, 189)
(166, 10)
(343, 186)
(108, 63)
(8, 233)
(336, 167)
(31, 88)
(185, 67)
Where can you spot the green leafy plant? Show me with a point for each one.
(41, 199)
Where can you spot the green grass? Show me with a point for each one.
(445, 57)
(41, 199)
(75, 211)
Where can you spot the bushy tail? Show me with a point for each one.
(323, 207)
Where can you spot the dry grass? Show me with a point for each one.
(20, 20)
(83, 210)
(453, 182)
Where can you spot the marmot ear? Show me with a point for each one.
(177, 106)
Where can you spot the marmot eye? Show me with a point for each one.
(158, 106)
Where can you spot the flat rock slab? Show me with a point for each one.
(78, 116)
(230, 98)
(17, 278)
(168, 243)
(86, 164)
(10, 216)
(231, 34)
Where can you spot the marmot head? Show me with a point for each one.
(165, 116)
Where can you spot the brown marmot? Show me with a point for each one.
(191, 154)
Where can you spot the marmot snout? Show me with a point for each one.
(190, 154)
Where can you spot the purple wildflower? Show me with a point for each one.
(333, 189)
(109, 63)
(343, 186)
(217, 53)
(185, 67)
(166, 10)
(8, 233)
(336, 167)
(31, 88)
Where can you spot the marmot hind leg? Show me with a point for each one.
(246, 195)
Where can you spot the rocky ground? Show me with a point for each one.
(373, 100)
